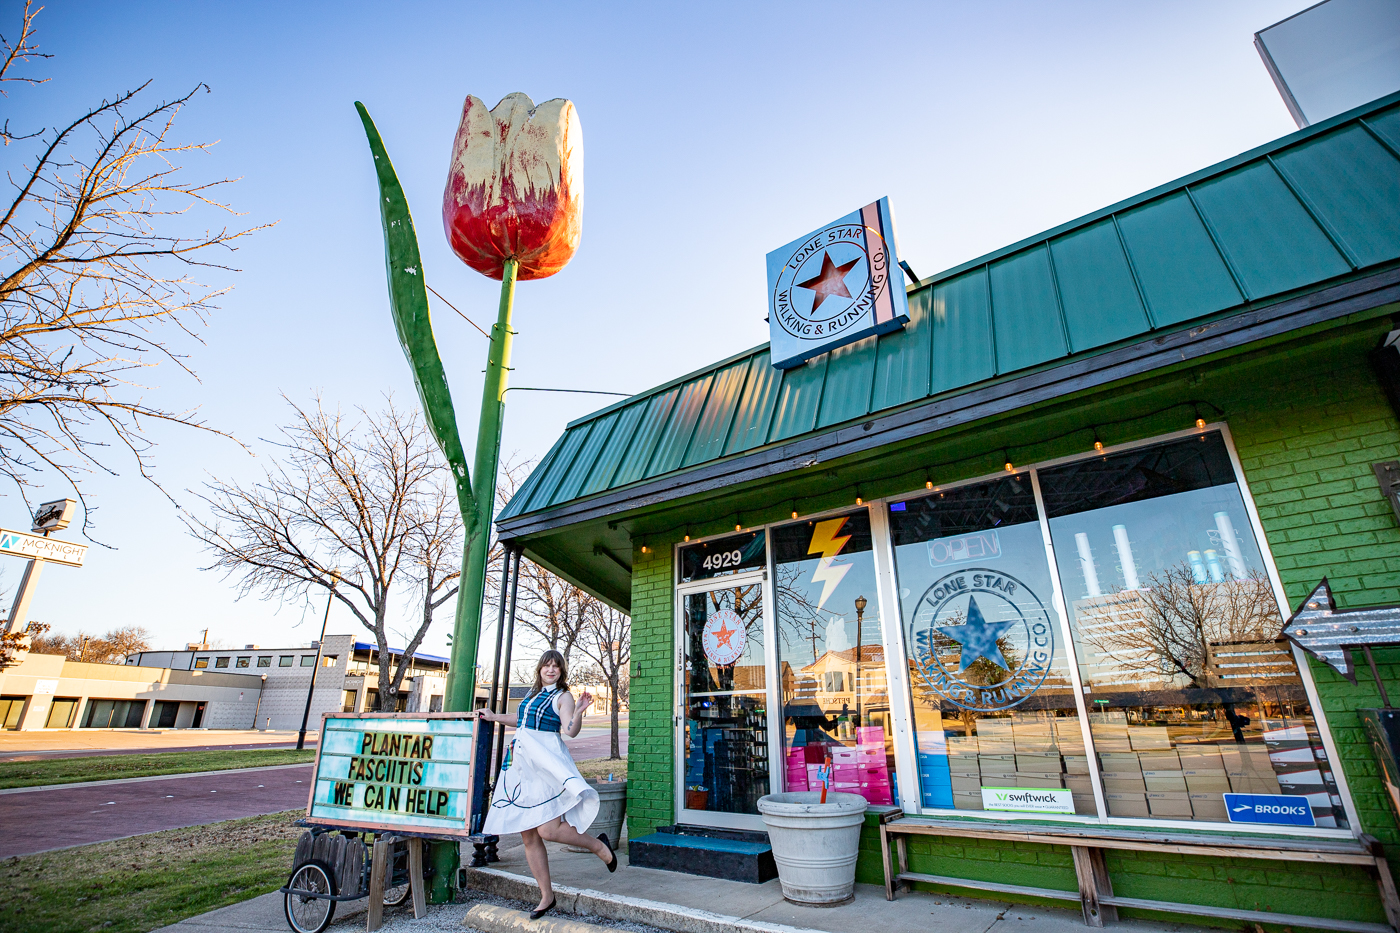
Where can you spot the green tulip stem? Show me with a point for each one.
(461, 675)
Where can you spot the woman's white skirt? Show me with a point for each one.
(538, 782)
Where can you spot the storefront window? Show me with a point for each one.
(993, 702)
(726, 724)
(836, 706)
(1191, 692)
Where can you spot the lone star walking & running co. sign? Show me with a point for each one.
(835, 286)
(982, 639)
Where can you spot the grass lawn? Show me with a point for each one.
(138, 884)
(107, 767)
(600, 767)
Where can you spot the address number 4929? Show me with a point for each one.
(723, 560)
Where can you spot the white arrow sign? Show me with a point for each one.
(37, 547)
(1326, 632)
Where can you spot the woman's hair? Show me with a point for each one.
(562, 683)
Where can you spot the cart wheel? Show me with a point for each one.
(306, 913)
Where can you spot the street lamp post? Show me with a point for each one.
(860, 624)
(258, 708)
(311, 687)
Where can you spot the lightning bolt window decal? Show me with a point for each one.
(828, 542)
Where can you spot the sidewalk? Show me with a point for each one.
(693, 904)
(681, 903)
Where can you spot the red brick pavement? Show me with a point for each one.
(53, 818)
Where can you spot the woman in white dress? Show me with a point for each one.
(540, 793)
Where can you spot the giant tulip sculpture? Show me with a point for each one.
(515, 187)
(512, 209)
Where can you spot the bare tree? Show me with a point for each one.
(435, 548)
(12, 643)
(607, 640)
(1169, 625)
(111, 648)
(350, 507)
(552, 608)
(89, 277)
(1167, 628)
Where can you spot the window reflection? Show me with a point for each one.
(1191, 692)
(836, 704)
(993, 702)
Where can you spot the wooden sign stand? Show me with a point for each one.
(378, 874)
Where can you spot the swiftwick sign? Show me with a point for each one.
(406, 771)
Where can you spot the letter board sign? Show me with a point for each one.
(834, 286)
(1279, 809)
(404, 771)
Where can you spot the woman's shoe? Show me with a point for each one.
(612, 866)
(537, 914)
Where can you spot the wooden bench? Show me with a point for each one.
(1095, 894)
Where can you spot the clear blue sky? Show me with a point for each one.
(713, 133)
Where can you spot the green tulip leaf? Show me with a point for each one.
(408, 298)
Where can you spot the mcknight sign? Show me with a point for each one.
(38, 547)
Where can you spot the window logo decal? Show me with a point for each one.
(724, 638)
(982, 639)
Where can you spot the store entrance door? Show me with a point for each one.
(725, 729)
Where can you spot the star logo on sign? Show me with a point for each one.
(830, 282)
(978, 638)
(722, 636)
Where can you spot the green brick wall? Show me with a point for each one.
(1308, 422)
(650, 740)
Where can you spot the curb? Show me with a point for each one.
(587, 902)
(491, 919)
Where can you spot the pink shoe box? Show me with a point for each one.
(844, 756)
(880, 796)
(871, 734)
(870, 754)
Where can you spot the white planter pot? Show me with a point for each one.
(612, 811)
(814, 844)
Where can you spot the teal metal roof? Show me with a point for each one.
(1312, 206)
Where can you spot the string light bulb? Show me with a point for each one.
(687, 538)
(1009, 467)
(859, 500)
(1098, 444)
(644, 549)
(738, 527)
(1200, 423)
(928, 484)
(794, 513)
